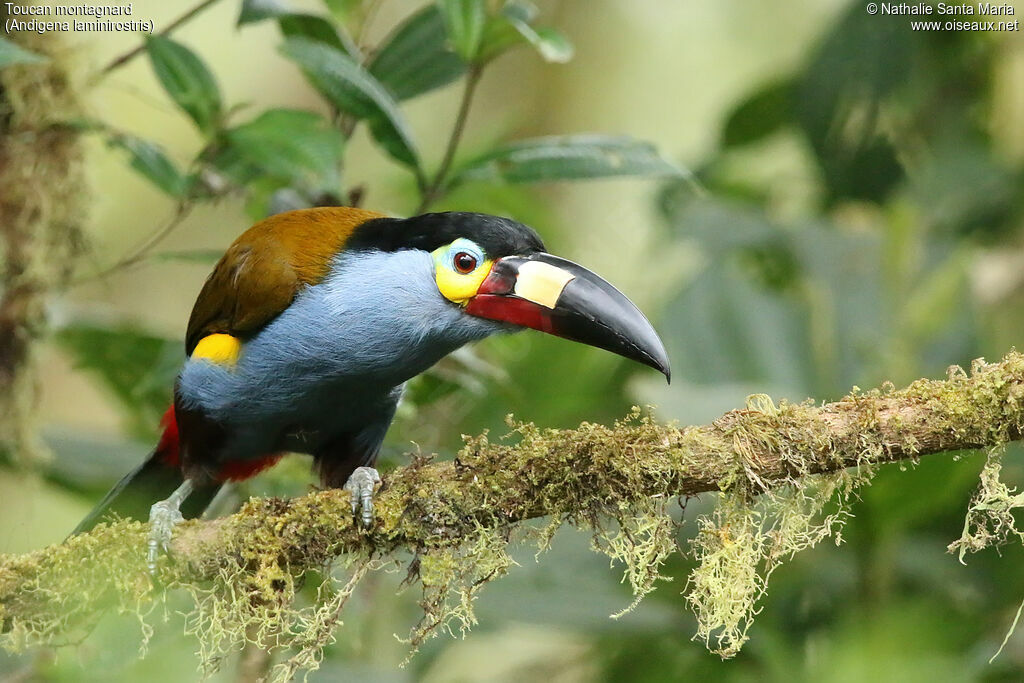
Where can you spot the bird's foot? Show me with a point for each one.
(361, 485)
(163, 517)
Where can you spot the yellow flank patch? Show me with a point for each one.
(218, 348)
(541, 283)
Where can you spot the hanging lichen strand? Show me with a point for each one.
(785, 473)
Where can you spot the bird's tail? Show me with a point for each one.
(152, 481)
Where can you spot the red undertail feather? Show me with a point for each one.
(168, 450)
(240, 470)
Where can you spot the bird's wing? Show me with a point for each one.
(260, 274)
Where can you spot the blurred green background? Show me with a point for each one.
(861, 222)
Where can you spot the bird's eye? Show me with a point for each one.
(464, 262)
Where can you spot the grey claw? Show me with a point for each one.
(361, 485)
(163, 517)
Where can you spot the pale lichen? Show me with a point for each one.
(452, 577)
(745, 539)
(644, 537)
(990, 520)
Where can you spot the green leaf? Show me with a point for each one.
(187, 80)
(570, 157)
(520, 10)
(137, 367)
(862, 63)
(352, 89)
(760, 115)
(230, 164)
(291, 145)
(344, 10)
(149, 159)
(962, 189)
(464, 22)
(552, 44)
(11, 53)
(317, 29)
(258, 10)
(499, 37)
(416, 57)
(514, 26)
(549, 42)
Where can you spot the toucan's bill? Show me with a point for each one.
(562, 298)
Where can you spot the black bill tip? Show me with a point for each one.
(592, 311)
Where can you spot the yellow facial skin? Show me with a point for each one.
(222, 349)
(453, 285)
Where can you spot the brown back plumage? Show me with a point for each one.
(262, 271)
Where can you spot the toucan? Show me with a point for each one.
(306, 331)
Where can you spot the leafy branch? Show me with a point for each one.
(285, 159)
(771, 462)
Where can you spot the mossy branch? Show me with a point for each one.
(455, 517)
